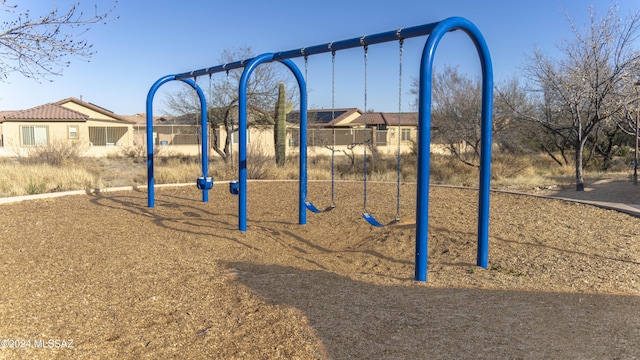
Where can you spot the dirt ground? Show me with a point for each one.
(104, 277)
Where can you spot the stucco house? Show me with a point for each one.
(71, 120)
(346, 128)
(182, 135)
(101, 132)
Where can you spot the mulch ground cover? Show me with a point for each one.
(102, 276)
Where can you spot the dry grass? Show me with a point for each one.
(27, 179)
(47, 170)
(507, 172)
(175, 172)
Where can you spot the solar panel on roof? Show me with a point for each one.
(327, 116)
(319, 116)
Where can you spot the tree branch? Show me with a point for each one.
(40, 47)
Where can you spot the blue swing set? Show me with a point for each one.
(435, 32)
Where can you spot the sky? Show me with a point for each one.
(151, 39)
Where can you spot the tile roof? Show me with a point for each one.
(141, 119)
(322, 117)
(46, 112)
(138, 119)
(328, 117)
(374, 118)
(402, 119)
(93, 107)
(388, 119)
(4, 113)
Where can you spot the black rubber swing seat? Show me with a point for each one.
(314, 209)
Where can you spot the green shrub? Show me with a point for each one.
(33, 187)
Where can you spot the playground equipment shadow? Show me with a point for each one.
(361, 320)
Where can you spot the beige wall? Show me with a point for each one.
(406, 144)
(260, 140)
(60, 132)
(83, 110)
(56, 132)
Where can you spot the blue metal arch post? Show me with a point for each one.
(302, 184)
(242, 139)
(424, 142)
(150, 166)
(205, 148)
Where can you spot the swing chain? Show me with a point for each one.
(198, 121)
(366, 215)
(401, 49)
(399, 34)
(306, 72)
(333, 83)
(332, 205)
(210, 87)
(364, 159)
(333, 126)
(366, 56)
(227, 86)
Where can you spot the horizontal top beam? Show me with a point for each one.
(365, 40)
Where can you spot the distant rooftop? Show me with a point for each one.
(46, 112)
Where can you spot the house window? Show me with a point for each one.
(73, 131)
(106, 135)
(34, 135)
(293, 136)
(406, 135)
(235, 137)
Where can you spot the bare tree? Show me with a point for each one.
(511, 134)
(222, 98)
(521, 108)
(39, 47)
(456, 113)
(581, 91)
(626, 119)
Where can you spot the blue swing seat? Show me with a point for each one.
(314, 209)
(233, 187)
(371, 220)
(204, 183)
